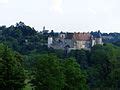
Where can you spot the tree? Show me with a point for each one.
(81, 57)
(12, 75)
(75, 79)
(48, 73)
(114, 79)
(103, 62)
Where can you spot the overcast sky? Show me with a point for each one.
(63, 15)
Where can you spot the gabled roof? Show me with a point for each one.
(69, 36)
(82, 36)
(96, 34)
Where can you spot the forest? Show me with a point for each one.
(27, 64)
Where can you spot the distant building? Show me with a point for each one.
(20, 24)
(50, 41)
(82, 40)
(45, 31)
(74, 41)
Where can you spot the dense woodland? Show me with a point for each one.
(26, 61)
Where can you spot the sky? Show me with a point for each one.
(63, 15)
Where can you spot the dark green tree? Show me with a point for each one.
(114, 79)
(12, 75)
(80, 56)
(103, 61)
(48, 73)
(75, 78)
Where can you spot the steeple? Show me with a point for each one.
(43, 28)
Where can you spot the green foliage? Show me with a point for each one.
(81, 57)
(117, 43)
(22, 38)
(75, 79)
(48, 73)
(114, 78)
(12, 75)
(104, 63)
(54, 74)
(101, 65)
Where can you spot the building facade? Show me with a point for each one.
(74, 41)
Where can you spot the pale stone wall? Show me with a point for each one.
(93, 42)
(50, 41)
(61, 42)
(82, 45)
(98, 41)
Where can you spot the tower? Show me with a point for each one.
(62, 35)
(50, 41)
(99, 38)
(92, 41)
(43, 28)
(45, 31)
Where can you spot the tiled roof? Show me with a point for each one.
(69, 36)
(96, 34)
(82, 36)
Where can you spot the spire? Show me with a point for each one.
(44, 28)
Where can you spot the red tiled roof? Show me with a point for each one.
(82, 36)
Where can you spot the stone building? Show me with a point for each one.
(74, 41)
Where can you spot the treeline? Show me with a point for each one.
(25, 61)
(79, 70)
(47, 72)
(23, 38)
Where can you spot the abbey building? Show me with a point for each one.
(74, 41)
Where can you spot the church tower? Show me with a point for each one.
(43, 28)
